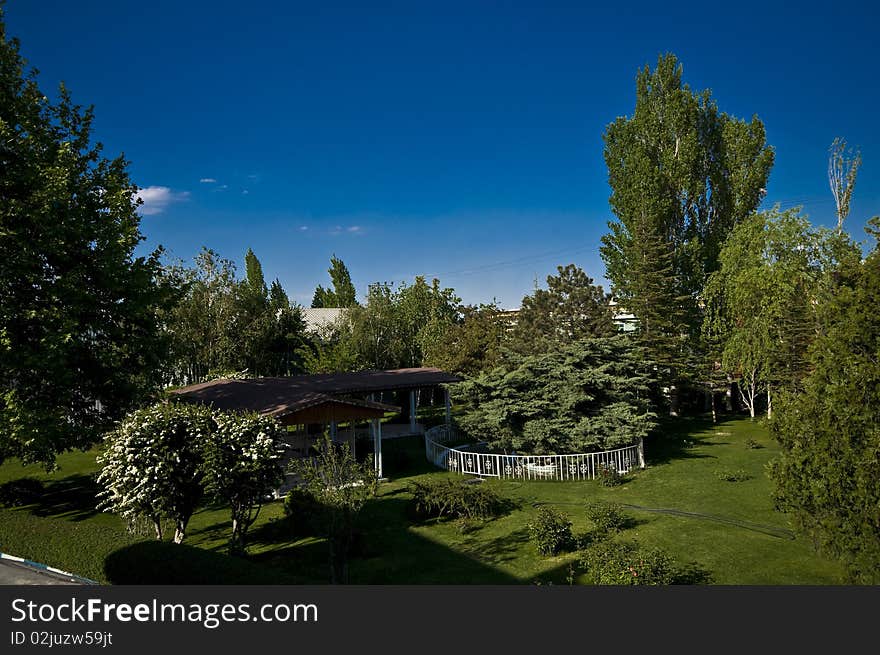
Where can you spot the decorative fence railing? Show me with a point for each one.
(469, 461)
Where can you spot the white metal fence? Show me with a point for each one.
(467, 460)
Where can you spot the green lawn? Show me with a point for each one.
(745, 542)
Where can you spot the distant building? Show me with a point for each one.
(320, 320)
(623, 319)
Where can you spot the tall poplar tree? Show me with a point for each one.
(682, 175)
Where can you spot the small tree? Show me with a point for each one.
(342, 486)
(152, 465)
(843, 167)
(242, 468)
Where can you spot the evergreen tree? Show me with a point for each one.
(588, 395)
(829, 473)
(570, 309)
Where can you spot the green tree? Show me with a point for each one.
(242, 466)
(341, 486)
(828, 475)
(255, 282)
(588, 395)
(396, 326)
(682, 175)
(80, 337)
(570, 309)
(843, 167)
(203, 323)
(761, 303)
(152, 465)
(470, 345)
(343, 292)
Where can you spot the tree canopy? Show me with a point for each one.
(569, 309)
(829, 473)
(584, 396)
(761, 303)
(80, 314)
(343, 292)
(682, 175)
(223, 325)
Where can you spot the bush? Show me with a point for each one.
(302, 512)
(607, 518)
(23, 491)
(729, 475)
(608, 475)
(551, 531)
(753, 444)
(446, 497)
(617, 563)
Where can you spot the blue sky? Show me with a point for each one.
(461, 140)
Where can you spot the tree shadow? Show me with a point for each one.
(680, 438)
(73, 498)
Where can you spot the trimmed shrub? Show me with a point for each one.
(551, 531)
(608, 476)
(302, 512)
(728, 475)
(23, 491)
(449, 498)
(607, 518)
(752, 444)
(628, 563)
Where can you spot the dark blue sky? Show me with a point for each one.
(459, 140)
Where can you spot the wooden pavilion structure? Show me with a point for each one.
(328, 399)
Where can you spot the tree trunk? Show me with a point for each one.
(180, 530)
(769, 403)
(157, 524)
(714, 412)
(673, 400)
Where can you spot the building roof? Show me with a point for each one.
(287, 395)
(320, 319)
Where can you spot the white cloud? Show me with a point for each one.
(245, 192)
(208, 180)
(303, 228)
(353, 230)
(156, 199)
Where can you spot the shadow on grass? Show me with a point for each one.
(161, 562)
(73, 498)
(390, 551)
(679, 438)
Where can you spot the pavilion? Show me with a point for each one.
(323, 399)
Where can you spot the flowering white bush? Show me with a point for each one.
(242, 466)
(152, 465)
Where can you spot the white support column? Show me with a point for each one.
(412, 411)
(448, 410)
(377, 446)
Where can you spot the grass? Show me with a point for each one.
(742, 541)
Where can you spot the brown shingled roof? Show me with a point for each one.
(286, 395)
